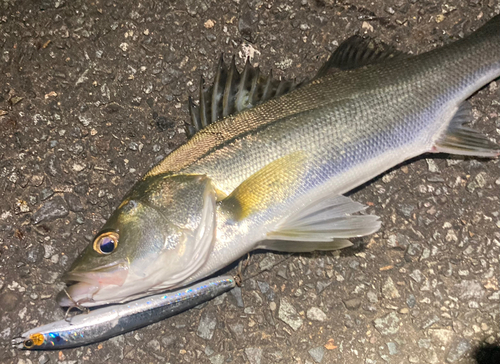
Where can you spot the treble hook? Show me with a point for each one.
(239, 274)
(75, 305)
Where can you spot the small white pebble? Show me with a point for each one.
(22, 313)
(367, 26)
(209, 24)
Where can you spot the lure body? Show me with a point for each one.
(102, 323)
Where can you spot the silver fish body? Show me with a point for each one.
(275, 174)
(350, 125)
(109, 321)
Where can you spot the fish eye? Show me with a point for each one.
(106, 243)
(28, 344)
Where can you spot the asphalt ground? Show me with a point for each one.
(92, 94)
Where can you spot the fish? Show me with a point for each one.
(108, 321)
(269, 162)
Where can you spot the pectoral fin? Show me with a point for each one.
(323, 226)
(273, 184)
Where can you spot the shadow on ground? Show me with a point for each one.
(487, 354)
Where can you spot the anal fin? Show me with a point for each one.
(461, 140)
(301, 247)
(323, 226)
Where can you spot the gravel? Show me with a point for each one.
(315, 314)
(389, 290)
(458, 350)
(206, 327)
(470, 290)
(53, 209)
(74, 203)
(317, 353)
(237, 297)
(288, 314)
(388, 325)
(91, 96)
(217, 359)
(254, 355)
(352, 304)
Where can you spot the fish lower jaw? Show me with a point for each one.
(78, 294)
(84, 294)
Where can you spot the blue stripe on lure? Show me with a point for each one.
(109, 321)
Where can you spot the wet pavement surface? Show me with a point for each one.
(92, 94)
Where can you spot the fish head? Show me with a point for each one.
(160, 235)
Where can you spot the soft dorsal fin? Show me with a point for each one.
(233, 92)
(357, 52)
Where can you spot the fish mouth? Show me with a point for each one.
(83, 285)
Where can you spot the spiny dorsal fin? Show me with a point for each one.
(233, 92)
(218, 87)
(357, 52)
